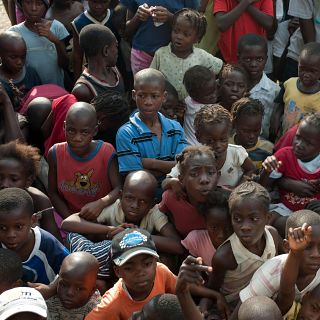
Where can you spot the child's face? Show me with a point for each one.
(13, 56)
(306, 144)
(253, 59)
(215, 136)
(218, 224)
(13, 175)
(149, 98)
(138, 275)
(309, 69)
(75, 287)
(249, 218)
(208, 94)
(33, 10)
(200, 178)
(98, 8)
(183, 36)
(169, 107)
(15, 229)
(310, 308)
(248, 129)
(232, 88)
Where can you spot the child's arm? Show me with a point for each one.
(269, 164)
(203, 6)
(12, 12)
(175, 185)
(263, 19)
(77, 56)
(308, 30)
(298, 187)
(161, 166)
(248, 168)
(275, 120)
(298, 240)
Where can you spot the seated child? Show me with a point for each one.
(200, 84)
(16, 78)
(141, 278)
(100, 47)
(149, 140)
(251, 244)
(180, 55)
(44, 39)
(76, 292)
(10, 270)
(300, 95)
(203, 243)
(233, 85)
(247, 115)
(298, 168)
(41, 253)
(252, 54)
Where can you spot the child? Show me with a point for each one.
(299, 166)
(134, 258)
(218, 228)
(92, 182)
(10, 270)
(100, 47)
(37, 32)
(149, 140)
(251, 244)
(233, 85)
(252, 54)
(200, 83)
(301, 95)
(19, 167)
(41, 253)
(247, 115)
(16, 78)
(180, 55)
(76, 292)
(235, 19)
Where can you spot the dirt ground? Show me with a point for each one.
(4, 20)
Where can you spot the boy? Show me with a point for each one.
(41, 253)
(237, 18)
(252, 55)
(76, 292)
(149, 140)
(134, 257)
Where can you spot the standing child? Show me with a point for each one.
(44, 39)
(175, 59)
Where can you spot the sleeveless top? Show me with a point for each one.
(81, 180)
(248, 262)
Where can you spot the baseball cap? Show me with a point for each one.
(22, 299)
(131, 242)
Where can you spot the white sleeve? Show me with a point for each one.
(301, 9)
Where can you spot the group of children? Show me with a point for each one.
(188, 191)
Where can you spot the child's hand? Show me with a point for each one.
(43, 29)
(301, 188)
(299, 238)
(143, 12)
(46, 290)
(271, 163)
(222, 306)
(160, 14)
(92, 210)
(176, 186)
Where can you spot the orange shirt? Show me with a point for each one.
(117, 305)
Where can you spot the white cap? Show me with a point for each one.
(22, 299)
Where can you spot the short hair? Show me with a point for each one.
(312, 119)
(171, 89)
(195, 79)
(27, 155)
(166, 306)
(252, 39)
(93, 38)
(229, 68)
(141, 176)
(15, 198)
(298, 218)
(215, 199)
(197, 20)
(259, 307)
(246, 107)
(311, 49)
(250, 190)
(191, 152)
(10, 266)
(149, 75)
(9, 36)
(211, 114)
(82, 109)
(313, 206)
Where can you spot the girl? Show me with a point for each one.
(45, 42)
(174, 60)
(198, 176)
(19, 166)
(247, 115)
(203, 243)
(233, 85)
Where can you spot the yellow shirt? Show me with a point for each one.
(293, 312)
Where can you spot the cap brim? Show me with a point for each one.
(25, 308)
(132, 253)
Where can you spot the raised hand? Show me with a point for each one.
(299, 238)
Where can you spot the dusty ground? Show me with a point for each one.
(4, 21)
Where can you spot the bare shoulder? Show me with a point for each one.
(224, 257)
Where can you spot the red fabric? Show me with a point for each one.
(185, 216)
(245, 24)
(290, 168)
(287, 139)
(60, 107)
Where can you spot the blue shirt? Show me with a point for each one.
(148, 37)
(135, 141)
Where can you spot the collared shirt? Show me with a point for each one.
(135, 141)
